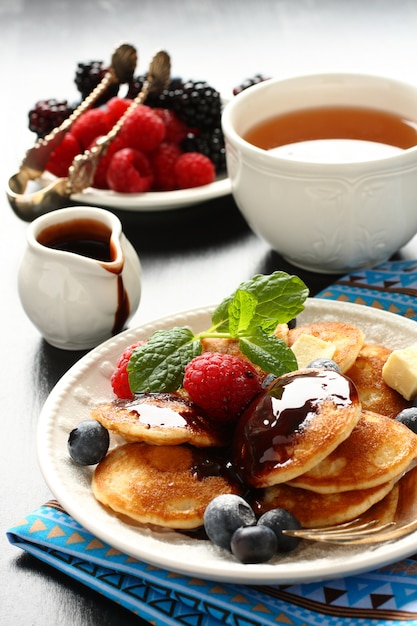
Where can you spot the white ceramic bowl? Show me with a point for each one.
(324, 217)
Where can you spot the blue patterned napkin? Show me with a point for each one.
(384, 597)
(391, 286)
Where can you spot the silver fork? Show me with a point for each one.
(355, 532)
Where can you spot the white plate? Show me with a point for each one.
(151, 200)
(87, 382)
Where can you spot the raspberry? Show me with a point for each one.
(119, 379)
(193, 169)
(221, 384)
(100, 177)
(63, 156)
(89, 126)
(129, 171)
(163, 162)
(175, 128)
(115, 109)
(143, 129)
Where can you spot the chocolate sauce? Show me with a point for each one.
(215, 462)
(171, 410)
(269, 428)
(85, 237)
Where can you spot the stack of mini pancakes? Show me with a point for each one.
(342, 462)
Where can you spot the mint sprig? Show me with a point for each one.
(250, 315)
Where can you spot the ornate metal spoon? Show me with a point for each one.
(121, 70)
(83, 168)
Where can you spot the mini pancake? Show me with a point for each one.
(373, 391)
(407, 500)
(159, 485)
(385, 510)
(297, 422)
(317, 510)
(379, 449)
(160, 419)
(347, 338)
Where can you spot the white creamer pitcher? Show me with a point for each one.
(80, 278)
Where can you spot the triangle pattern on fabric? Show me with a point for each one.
(140, 591)
(378, 599)
(86, 566)
(284, 619)
(240, 598)
(261, 608)
(331, 594)
(95, 544)
(37, 526)
(388, 284)
(113, 579)
(195, 619)
(62, 556)
(216, 611)
(359, 588)
(165, 605)
(404, 594)
(75, 538)
(188, 600)
(56, 531)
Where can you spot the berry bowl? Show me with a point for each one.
(323, 167)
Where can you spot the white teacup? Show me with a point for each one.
(80, 278)
(337, 215)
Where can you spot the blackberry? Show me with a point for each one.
(197, 104)
(211, 144)
(249, 82)
(47, 114)
(87, 77)
(154, 99)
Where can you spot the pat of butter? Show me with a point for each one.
(400, 371)
(307, 348)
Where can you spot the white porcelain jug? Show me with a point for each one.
(80, 278)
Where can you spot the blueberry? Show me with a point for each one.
(269, 378)
(254, 544)
(279, 520)
(408, 417)
(326, 364)
(88, 442)
(224, 515)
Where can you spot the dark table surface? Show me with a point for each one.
(191, 256)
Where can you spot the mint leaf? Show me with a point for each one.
(241, 311)
(268, 352)
(158, 365)
(250, 314)
(279, 298)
